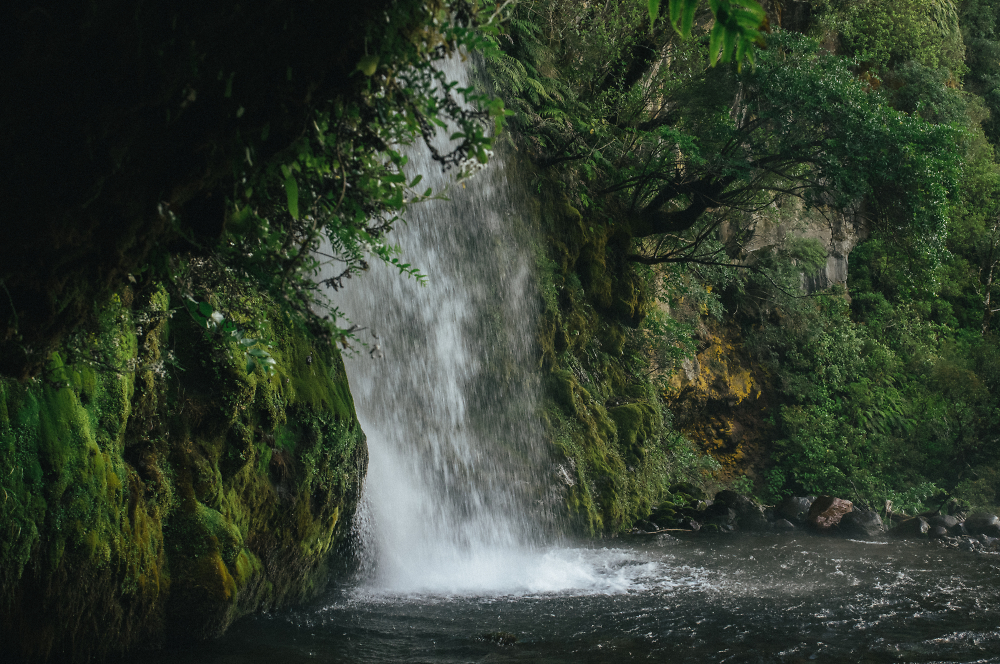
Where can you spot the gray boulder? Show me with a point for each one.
(795, 509)
(719, 514)
(911, 528)
(749, 515)
(864, 524)
(983, 524)
(945, 521)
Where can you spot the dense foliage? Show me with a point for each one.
(877, 114)
(260, 138)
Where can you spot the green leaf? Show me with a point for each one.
(690, 8)
(676, 7)
(368, 64)
(654, 11)
(292, 192)
(728, 42)
(715, 40)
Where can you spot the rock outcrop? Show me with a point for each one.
(163, 492)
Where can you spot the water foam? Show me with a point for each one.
(555, 571)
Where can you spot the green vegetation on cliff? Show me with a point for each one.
(166, 492)
(738, 356)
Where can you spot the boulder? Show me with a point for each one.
(943, 520)
(749, 515)
(865, 524)
(689, 524)
(719, 514)
(827, 511)
(910, 528)
(690, 490)
(938, 532)
(969, 544)
(983, 524)
(794, 509)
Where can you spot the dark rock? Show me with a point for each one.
(783, 525)
(915, 527)
(863, 524)
(688, 489)
(946, 522)
(689, 524)
(749, 515)
(728, 497)
(827, 511)
(938, 532)
(968, 544)
(719, 514)
(958, 530)
(983, 524)
(795, 509)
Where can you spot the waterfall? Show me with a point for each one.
(455, 495)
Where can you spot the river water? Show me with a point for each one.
(787, 598)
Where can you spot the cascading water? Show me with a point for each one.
(454, 497)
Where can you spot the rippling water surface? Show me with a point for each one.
(753, 599)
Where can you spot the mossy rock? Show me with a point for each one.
(636, 424)
(144, 506)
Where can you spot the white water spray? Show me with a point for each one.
(454, 498)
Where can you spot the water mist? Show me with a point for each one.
(455, 493)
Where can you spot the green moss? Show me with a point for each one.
(147, 504)
(603, 413)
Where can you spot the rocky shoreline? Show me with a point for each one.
(691, 512)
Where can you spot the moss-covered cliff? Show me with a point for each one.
(154, 491)
(616, 450)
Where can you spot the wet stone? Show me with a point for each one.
(944, 521)
(827, 511)
(915, 527)
(720, 514)
(983, 524)
(794, 509)
(938, 532)
(783, 525)
(862, 524)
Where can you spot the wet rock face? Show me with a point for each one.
(915, 527)
(945, 521)
(983, 524)
(795, 509)
(162, 506)
(865, 524)
(749, 515)
(827, 511)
